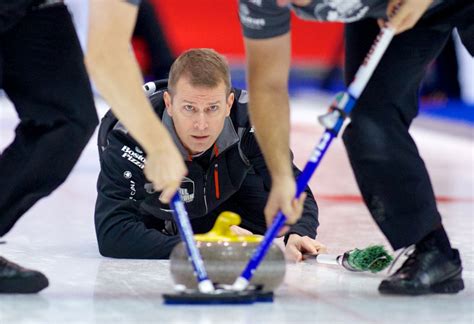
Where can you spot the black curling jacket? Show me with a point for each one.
(130, 220)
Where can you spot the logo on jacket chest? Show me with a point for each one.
(186, 189)
(134, 157)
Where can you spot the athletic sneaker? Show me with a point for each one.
(15, 279)
(426, 272)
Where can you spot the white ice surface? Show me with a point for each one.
(57, 237)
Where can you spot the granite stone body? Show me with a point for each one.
(224, 261)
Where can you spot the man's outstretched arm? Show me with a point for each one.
(114, 70)
(268, 65)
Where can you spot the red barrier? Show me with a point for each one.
(215, 24)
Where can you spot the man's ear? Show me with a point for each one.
(229, 103)
(167, 100)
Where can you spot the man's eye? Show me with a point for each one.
(213, 108)
(188, 108)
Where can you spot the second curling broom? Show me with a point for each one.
(333, 122)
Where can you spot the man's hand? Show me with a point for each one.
(282, 197)
(165, 168)
(404, 14)
(237, 230)
(297, 245)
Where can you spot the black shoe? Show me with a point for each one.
(15, 279)
(426, 272)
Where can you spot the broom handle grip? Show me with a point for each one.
(371, 60)
(328, 259)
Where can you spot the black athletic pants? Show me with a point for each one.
(388, 168)
(148, 27)
(42, 72)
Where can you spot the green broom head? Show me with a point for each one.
(373, 258)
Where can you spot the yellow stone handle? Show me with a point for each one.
(221, 231)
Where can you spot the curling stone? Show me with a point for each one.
(225, 255)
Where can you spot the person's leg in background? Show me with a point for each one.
(464, 41)
(441, 83)
(390, 173)
(45, 78)
(149, 29)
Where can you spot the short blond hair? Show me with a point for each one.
(203, 67)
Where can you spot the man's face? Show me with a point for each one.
(198, 113)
